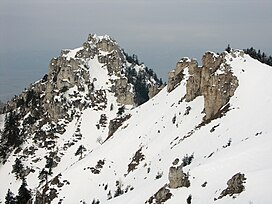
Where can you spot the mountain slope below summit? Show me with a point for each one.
(134, 163)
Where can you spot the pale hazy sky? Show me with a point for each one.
(159, 32)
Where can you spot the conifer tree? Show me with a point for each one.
(10, 138)
(80, 151)
(228, 49)
(11, 130)
(24, 194)
(17, 168)
(10, 199)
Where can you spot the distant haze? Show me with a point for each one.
(159, 32)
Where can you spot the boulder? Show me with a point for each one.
(177, 178)
(235, 185)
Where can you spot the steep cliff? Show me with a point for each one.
(214, 80)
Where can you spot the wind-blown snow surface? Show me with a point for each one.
(153, 130)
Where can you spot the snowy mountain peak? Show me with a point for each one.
(82, 134)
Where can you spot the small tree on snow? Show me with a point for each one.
(80, 151)
(119, 190)
(17, 168)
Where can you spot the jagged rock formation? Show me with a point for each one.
(71, 69)
(214, 80)
(71, 85)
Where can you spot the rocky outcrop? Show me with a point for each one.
(177, 178)
(71, 70)
(217, 83)
(214, 80)
(64, 74)
(122, 90)
(235, 185)
(116, 123)
(178, 74)
(161, 196)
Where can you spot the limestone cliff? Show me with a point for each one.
(214, 80)
(71, 71)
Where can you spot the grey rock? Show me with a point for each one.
(235, 185)
(216, 87)
(177, 178)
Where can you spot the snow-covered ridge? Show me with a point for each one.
(166, 150)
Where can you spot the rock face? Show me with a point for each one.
(122, 91)
(235, 185)
(177, 75)
(116, 123)
(64, 74)
(214, 80)
(71, 70)
(177, 178)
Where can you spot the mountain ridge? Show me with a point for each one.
(184, 144)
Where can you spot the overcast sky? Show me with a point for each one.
(160, 32)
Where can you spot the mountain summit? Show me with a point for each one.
(101, 128)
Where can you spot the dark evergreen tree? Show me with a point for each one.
(20, 102)
(3, 150)
(261, 56)
(131, 59)
(80, 151)
(10, 137)
(95, 201)
(269, 60)
(10, 199)
(17, 168)
(228, 49)
(32, 98)
(187, 160)
(121, 110)
(24, 194)
(189, 199)
(141, 90)
(118, 191)
(49, 164)
(11, 130)
(160, 82)
(140, 79)
(43, 175)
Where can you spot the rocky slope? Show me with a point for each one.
(99, 76)
(205, 138)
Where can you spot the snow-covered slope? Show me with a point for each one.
(132, 164)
